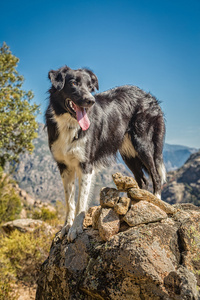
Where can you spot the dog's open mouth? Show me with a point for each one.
(81, 114)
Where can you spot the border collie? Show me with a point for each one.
(86, 129)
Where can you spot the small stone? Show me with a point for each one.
(124, 183)
(139, 194)
(23, 214)
(108, 224)
(144, 212)
(89, 215)
(23, 194)
(109, 197)
(29, 200)
(95, 217)
(122, 206)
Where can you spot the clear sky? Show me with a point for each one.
(153, 44)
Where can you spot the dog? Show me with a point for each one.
(86, 129)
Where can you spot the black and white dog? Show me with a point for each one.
(85, 130)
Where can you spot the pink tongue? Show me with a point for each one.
(82, 118)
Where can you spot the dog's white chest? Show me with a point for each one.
(67, 148)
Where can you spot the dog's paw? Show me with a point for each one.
(76, 228)
(65, 229)
(73, 232)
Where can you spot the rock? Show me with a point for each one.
(189, 232)
(23, 194)
(23, 214)
(123, 183)
(95, 217)
(144, 212)
(183, 184)
(29, 200)
(26, 225)
(108, 197)
(155, 261)
(38, 204)
(122, 206)
(183, 283)
(108, 223)
(139, 194)
(89, 216)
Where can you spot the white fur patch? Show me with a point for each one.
(127, 147)
(65, 149)
(162, 173)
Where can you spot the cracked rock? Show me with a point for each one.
(144, 212)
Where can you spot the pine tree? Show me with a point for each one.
(17, 115)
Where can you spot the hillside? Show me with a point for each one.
(39, 176)
(184, 184)
(175, 156)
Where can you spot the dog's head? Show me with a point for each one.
(75, 89)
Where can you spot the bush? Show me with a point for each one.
(44, 214)
(10, 202)
(21, 255)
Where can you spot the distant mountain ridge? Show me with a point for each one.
(175, 155)
(183, 185)
(39, 176)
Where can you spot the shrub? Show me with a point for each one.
(10, 202)
(44, 214)
(21, 255)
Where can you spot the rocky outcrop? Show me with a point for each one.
(151, 259)
(26, 225)
(183, 185)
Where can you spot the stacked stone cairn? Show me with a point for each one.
(117, 213)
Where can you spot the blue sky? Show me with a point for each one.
(148, 43)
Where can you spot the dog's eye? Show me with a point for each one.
(74, 83)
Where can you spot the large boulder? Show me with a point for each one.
(151, 261)
(150, 252)
(26, 225)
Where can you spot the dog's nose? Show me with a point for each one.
(89, 101)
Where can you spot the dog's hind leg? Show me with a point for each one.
(133, 162)
(85, 182)
(146, 155)
(136, 167)
(68, 178)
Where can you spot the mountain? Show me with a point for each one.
(184, 184)
(39, 176)
(175, 155)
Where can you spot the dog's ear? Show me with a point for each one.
(58, 77)
(93, 78)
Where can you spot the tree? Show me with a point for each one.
(17, 115)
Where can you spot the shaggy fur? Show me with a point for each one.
(85, 130)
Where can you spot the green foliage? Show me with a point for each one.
(17, 114)
(21, 255)
(10, 202)
(44, 214)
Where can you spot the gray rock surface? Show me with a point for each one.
(155, 261)
(108, 223)
(144, 212)
(183, 185)
(26, 225)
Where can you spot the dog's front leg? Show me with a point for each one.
(68, 178)
(85, 182)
